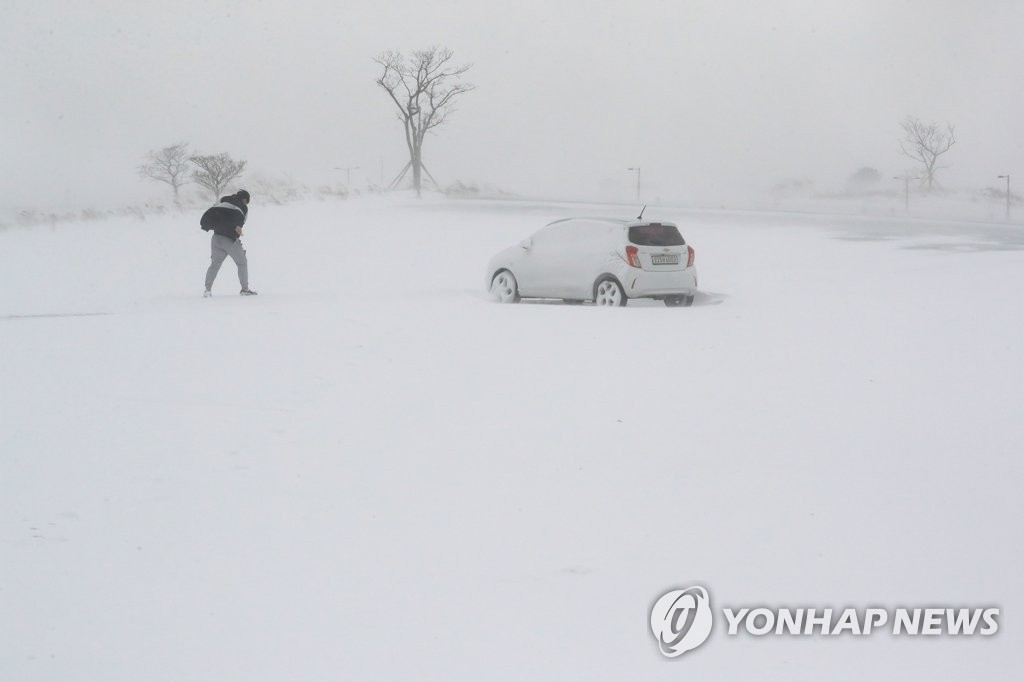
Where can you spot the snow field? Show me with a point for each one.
(370, 471)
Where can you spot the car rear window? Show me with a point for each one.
(655, 234)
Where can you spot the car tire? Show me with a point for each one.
(608, 292)
(679, 301)
(504, 287)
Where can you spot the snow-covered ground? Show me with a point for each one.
(371, 472)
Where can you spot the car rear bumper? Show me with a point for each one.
(645, 284)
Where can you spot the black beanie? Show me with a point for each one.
(242, 194)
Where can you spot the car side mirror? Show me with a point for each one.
(526, 244)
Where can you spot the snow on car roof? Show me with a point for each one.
(625, 222)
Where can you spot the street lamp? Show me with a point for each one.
(348, 174)
(1007, 194)
(637, 169)
(906, 188)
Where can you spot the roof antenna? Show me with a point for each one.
(641, 216)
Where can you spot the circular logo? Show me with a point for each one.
(681, 620)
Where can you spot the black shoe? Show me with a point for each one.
(246, 292)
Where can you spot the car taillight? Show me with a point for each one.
(690, 255)
(633, 256)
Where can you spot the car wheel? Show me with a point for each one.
(677, 301)
(609, 293)
(504, 287)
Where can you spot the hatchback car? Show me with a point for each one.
(604, 260)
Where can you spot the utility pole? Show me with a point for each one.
(637, 169)
(1007, 194)
(906, 188)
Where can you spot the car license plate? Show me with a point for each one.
(665, 259)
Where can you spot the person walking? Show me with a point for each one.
(226, 219)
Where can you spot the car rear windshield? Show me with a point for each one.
(655, 234)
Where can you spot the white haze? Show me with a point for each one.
(715, 101)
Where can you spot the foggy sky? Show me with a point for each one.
(712, 99)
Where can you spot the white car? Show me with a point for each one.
(603, 260)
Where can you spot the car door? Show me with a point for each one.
(557, 274)
(531, 270)
(562, 258)
(567, 262)
(585, 254)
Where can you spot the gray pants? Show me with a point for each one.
(222, 247)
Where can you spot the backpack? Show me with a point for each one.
(222, 218)
(206, 222)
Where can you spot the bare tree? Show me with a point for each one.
(865, 180)
(168, 165)
(216, 171)
(925, 142)
(423, 87)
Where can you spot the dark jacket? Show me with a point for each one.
(224, 217)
